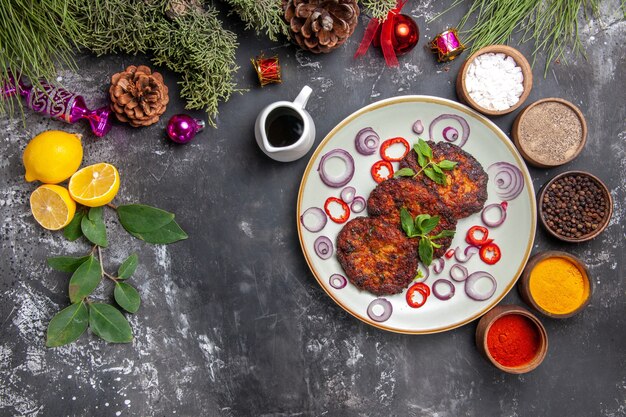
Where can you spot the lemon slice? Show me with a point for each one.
(95, 185)
(52, 206)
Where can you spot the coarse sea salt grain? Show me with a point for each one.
(494, 81)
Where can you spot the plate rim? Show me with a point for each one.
(457, 106)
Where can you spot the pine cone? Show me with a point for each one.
(138, 96)
(320, 26)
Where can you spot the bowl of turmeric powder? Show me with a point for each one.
(556, 284)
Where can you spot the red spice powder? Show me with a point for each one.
(513, 340)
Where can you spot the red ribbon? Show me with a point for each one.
(386, 43)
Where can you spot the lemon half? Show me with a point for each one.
(95, 185)
(52, 206)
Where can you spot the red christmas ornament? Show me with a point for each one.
(396, 36)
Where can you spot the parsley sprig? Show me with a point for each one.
(433, 170)
(420, 227)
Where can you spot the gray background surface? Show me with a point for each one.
(232, 322)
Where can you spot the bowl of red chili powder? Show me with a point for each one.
(512, 339)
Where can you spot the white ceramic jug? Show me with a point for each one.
(273, 147)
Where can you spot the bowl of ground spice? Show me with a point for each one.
(550, 132)
(495, 80)
(556, 284)
(575, 206)
(512, 339)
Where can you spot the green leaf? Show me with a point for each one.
(424, 148)
(67, 325)
(443, 233)
(85, 279)
(447, 165)
(407, 222)
(93, 227)
(435, 245)
(425, 250)
(437, 169)
(169, 233)
(127, 269)
(430, 224)
(139, 218)
(73, 231)
(404, 172)
(95, 213)
(127, 297)
(66, 263)
(435, 176)
(419, 221)
(421, 159)
(107, 322)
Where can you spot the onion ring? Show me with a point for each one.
(464, 125)
(464, 256)
(438, 266)
(323, 247)
(337, 281)
(318, 221)
(457, 269)
(442, 295)
(347, 194)
(342, 179)
(358, 204)
(508, 179)
(450, 134)
(387, 310)
(472, 280)
(493, 223)
(366, 141)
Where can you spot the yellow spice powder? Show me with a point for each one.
(558, 286)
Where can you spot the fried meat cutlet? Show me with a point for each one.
(386, 200)
(375, 256)
(466, 191)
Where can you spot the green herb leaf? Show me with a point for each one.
(419, 221)
(435, 176)
(169, 233)
(139, 218)
(404, 172)
(73, 231)
(93, 227)
(67, 325)
(447, 165)
(107, 322)
(443, 233)
(407, 222)
(429, 224)
(435, 245)
(424, 148)
(127, 269)
(127, 297)
(437, 169)
(66, 263)
(425, 250)
(85, 279)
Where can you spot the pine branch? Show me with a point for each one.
(378, 8)
(262, 16)
(35, 36)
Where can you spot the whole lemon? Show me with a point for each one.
(52, 156)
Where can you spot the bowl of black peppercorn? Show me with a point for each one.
(575, 206)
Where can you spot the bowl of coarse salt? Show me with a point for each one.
(495, 80)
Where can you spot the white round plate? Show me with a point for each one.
(488, 144)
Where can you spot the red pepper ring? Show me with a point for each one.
(346, 210)
(450, 253)
(474, 240)
(420, 287)
(490, 253)
(390, 142)
(376, 170)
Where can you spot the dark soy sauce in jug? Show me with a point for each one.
(283, 127)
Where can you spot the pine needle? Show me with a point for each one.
(379, 8)
(262, 16)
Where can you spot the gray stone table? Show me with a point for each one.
(232, 321)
